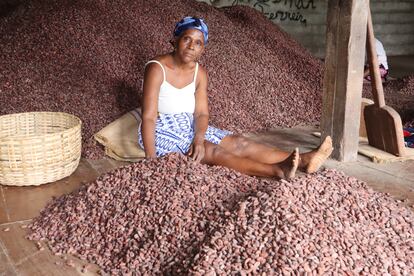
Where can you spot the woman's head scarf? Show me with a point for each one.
(191, 23)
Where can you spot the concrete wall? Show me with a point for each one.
(306, 21)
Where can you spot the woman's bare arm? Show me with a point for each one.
(153, 79)
(200, 115)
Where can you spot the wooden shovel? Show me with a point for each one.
(383, 123)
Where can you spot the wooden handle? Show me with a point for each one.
(376, 82)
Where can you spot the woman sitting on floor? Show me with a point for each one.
(175, 115)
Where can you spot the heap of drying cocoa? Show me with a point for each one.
(174, 216)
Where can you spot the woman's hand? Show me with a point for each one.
(197, 150)
(150, 156)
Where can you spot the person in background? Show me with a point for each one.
(382, 61)
(175, 115)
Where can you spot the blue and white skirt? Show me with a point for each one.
(175, 133)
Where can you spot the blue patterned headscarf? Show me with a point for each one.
(191, 23)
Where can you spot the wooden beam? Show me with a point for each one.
(344, 66)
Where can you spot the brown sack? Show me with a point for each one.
(120, 138)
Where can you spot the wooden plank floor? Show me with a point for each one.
(19, 256)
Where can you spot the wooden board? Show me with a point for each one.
(362, 128)
(377, 155)
(344, 67)
(383, 123)
(384, 129)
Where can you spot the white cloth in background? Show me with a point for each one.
(381, 55)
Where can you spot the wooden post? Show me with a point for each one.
(344, 66)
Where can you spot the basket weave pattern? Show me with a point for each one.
(38, 147)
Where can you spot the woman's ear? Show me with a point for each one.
(200, 54)
(173, 42)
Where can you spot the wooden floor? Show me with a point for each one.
(19, 256)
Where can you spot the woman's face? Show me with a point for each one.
(190, 45)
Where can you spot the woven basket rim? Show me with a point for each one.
(31, 137)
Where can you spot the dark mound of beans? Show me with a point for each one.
(398, 94)
(404, 86)
(87, 58)
(173, 216)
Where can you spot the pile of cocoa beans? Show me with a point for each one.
(325, 224)
(174, 216)
(87, 58)
(398, 94)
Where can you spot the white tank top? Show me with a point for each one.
(172, 100)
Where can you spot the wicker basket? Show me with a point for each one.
(38, 147)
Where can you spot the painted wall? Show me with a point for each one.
(305, 20)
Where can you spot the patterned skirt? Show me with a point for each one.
(175, 133)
